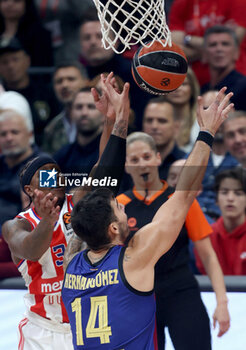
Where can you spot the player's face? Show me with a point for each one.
(91, 44)
(231, 199)
(159, 123)
(234, 132)
(181, 95)
(58, 192)
(140, 160)
(221, 51)
(119, 211)
(67, 82)
(14, 136)
(87, 118)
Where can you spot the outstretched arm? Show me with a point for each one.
(112, 161)
(116, 108)
(154, 239)
(26, 242)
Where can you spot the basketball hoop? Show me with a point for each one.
(125, 23)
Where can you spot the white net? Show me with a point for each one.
(125, 23)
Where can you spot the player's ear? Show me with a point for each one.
(113, 230)
(29, 190)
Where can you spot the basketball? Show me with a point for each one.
(158, 69)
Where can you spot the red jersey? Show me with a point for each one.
(194, 16)
(230, 248)
(44, 277)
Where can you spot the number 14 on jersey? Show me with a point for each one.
(99, 310)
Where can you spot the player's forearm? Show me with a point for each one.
(107, 130)
(193, 171)
(38, 241)
(26, 243)
(121, 126)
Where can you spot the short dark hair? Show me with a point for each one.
(67, 64)
(219, 29)
(237, 173)
(161, 100)
(92, 216)
(90, 15)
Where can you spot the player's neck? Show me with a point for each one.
(96, 255)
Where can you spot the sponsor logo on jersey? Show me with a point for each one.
(132, 222)
(54, 287)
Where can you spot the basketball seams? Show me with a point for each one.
(156, 69)
(160, 51)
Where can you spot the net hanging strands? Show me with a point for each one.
(125, 23)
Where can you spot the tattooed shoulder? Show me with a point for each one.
(127, 257)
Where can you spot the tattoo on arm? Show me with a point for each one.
(120, 128)
(74, 246)
(127, 257)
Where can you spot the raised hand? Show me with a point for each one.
(211, 118)
(119, 101)
(46, 206)
(102, 102)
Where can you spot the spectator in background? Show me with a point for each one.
(184, 103)
(19, 18)
(16, 139)
(16, 144)
(189, 19)
(14, 65)
(98, 60)
(82, 154)
(62, 18)
(174, 172)
(159, 121)
(234, 132)
(174, 282)
(68, 79)
(229, 231)
(221, 52)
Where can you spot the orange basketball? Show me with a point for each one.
(159, 70)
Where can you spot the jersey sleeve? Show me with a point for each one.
(196, 223)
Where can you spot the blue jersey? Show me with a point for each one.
(104, 311)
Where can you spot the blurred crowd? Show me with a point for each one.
(51, 56)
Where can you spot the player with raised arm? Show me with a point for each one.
(38, 236)
(108, 288)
